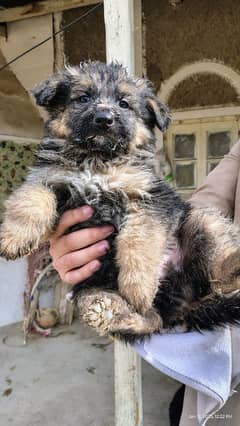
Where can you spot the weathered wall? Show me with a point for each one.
(192, 31)
(18, 116)
(86, 39)
(192, 92)
(15, 158)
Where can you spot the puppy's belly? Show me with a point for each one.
(173, 259)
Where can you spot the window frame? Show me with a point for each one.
(200, 123)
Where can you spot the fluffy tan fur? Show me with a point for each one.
(29, 217)
(142, 135)
(225, 253)
(128, 179)
(59, 127)
(140, 247)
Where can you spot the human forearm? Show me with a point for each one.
(219, 187)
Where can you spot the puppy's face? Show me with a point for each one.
(100, 108)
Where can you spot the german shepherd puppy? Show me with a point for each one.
(169, 264)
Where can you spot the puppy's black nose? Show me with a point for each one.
(103, 119)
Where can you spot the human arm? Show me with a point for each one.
(219, 187)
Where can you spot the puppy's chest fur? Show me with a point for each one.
(112, 191)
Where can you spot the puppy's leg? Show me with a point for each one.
(224, 249)
(30, 216)
(109, 313)
(140, 247)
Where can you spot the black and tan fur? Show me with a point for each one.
(169, 264)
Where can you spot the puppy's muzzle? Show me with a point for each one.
(103, 119)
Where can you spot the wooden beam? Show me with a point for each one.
(39, 8)
(123, 26)
(124, 43)
(58, 42)
(128, 386)
(3, 31)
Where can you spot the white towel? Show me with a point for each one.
(208, 362)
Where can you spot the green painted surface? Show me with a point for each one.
(15, 158)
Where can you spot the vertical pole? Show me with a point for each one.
(124, 43)
(128, 386)
(58, 42)
(123, 26)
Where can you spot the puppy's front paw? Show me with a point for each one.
(17, 241)
(30, 216)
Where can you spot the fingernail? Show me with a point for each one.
(87, 211)
(109, 230)
(95, 265)
(103, 246)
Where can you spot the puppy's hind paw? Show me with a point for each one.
(101, 309)
(110, 314)
(97, 312)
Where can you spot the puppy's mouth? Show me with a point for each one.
(98, 142)
(106, 143)
(98, 138)
(98, 134)
(90, 138)
(101, 141)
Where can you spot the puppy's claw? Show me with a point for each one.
(93, 317)
(97, 308)
(108, 315)
(107, 301)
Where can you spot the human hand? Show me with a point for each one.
(76, 255)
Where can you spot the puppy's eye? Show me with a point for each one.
(84, 99)
(123, 104)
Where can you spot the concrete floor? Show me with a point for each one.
(68, 381)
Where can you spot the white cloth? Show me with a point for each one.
(207, 362)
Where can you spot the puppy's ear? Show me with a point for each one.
(53, 92)
(160, 113)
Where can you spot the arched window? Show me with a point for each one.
(201, 133)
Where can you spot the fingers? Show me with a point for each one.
(78, 275)
(72, 217)
(78, 240)
(66, 265)
(76, 255)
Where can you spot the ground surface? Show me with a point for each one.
(68, 381)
